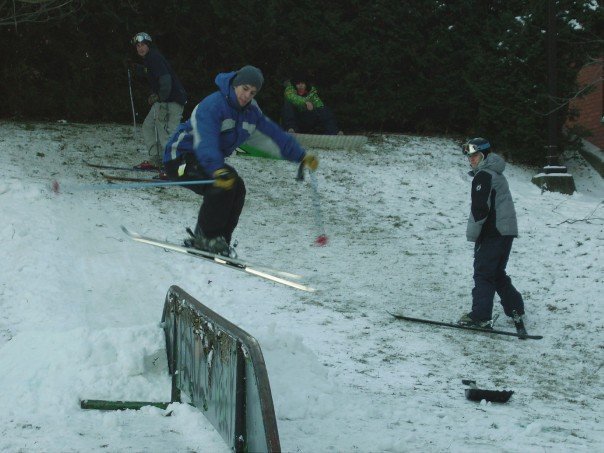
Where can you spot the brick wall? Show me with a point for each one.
(591, 107)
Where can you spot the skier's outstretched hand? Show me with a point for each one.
(224, 178)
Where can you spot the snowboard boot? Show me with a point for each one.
(216, 245)
(467, 321)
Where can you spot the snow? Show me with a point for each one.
(557, 175)
(80, 303)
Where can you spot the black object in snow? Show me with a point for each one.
(494, 396)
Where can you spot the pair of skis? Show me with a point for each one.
(267, 273)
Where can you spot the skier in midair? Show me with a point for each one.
(197, 150)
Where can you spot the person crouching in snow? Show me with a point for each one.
(304, 111)
(197, 150)
(492, 226)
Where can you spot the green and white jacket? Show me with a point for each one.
(292, 96)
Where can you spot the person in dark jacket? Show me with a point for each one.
(197, 150)
(304, 111)
(492, 226)
(167, 98)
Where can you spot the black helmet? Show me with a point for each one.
(141, 37)
(477, 145)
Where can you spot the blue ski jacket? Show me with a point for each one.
(218, 125)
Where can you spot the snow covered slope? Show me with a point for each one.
(80, 304)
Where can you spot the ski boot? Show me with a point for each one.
(467, 321)
(216, 245)
(519, 323)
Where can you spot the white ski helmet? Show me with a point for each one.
(141, 37)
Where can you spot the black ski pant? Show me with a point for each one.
(220, 209)
(319, 120)
(491, 256)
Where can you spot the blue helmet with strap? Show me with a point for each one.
(477, 145)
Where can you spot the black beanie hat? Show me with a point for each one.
(300, 77)
(249, 75)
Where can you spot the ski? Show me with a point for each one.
(112, 178)
(116, 167)
(520, 335)
(284, 278)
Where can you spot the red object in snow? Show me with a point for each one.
(55, 186)
(321, 241)
(146, 165)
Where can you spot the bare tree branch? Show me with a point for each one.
(562, 102)
(15, 12)
(587, 218)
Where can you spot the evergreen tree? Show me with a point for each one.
(461, 67)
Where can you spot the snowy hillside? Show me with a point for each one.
(80, 303)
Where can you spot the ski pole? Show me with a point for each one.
(132, 105)
(157, 154)
(322, 238)
(57, 188)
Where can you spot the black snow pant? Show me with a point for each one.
(490, 259)
(319, 120)
(220, 209)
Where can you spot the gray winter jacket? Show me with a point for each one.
(492, 212)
